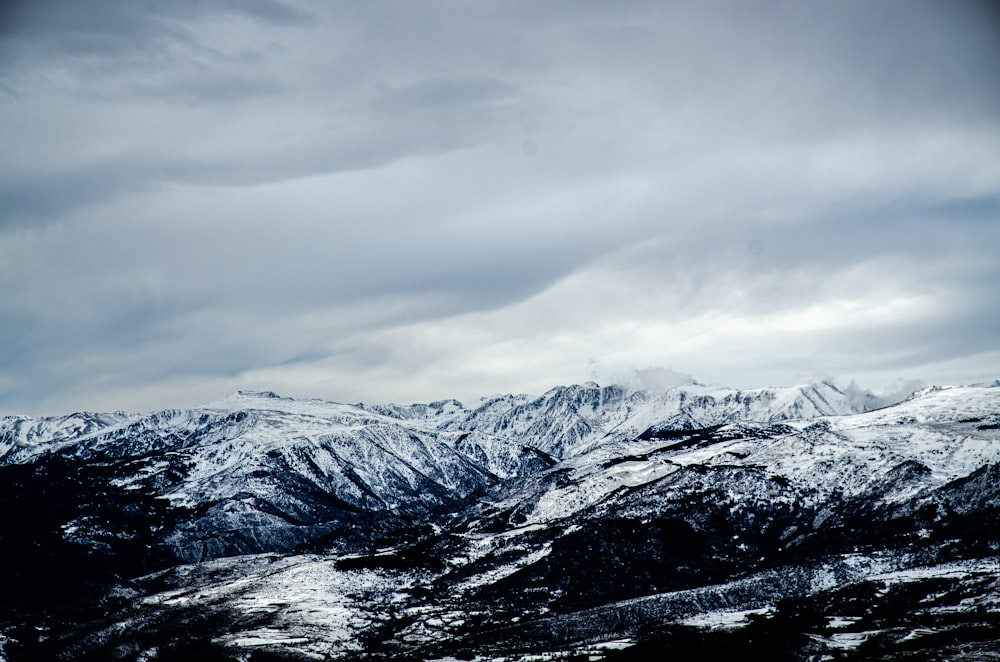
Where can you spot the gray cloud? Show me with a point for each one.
(116, 19)
(353, 200)
(437, 93)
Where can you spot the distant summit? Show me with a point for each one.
(258, 394)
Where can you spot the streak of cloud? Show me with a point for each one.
(400, 201)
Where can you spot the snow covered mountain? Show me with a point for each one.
(241, 451)
(589, 520)
(260, 473)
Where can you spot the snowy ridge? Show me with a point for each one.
(570, 420)
(233, 460)
(579, 522)
(22, 438)
(563, 421)
(936, 438)
(558, 423)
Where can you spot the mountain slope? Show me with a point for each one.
(586, 521)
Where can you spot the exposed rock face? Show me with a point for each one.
(589, 520)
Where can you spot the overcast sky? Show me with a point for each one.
(407, 201)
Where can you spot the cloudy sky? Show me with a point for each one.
(409, 201)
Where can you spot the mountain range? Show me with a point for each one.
(599, 522)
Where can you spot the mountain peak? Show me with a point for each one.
(689, 501)
(244, 393)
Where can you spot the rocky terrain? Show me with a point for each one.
(592, 522)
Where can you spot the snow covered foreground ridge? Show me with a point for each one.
(595, 521)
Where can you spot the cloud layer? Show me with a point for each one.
(412, 201)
